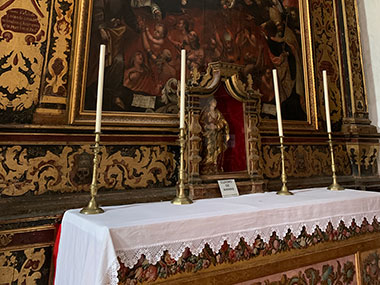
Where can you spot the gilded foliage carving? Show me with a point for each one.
(326, 58)
(363, 159)
(305, 161)
(5, 239)
(24, 267)
(69, 168)
(58, 62)
(23, 30)
(355, 57)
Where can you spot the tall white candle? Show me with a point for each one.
(182, 92)
(327, 106)
(99, 101)
(278, 103)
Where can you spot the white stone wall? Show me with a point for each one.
(369, 22)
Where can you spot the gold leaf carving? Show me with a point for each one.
(28, 272)
(129, 167)
(58, 63)
(149, 165)
(24, 59)
(5, 239)
(355, 57)
(305, 161)
(326, 56)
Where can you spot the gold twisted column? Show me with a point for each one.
(284, 189)
(334, 186)
(181, 198)
(92, 207)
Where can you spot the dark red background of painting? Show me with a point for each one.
(235, 156)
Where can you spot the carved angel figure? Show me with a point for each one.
(215, 135)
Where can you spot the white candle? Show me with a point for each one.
(182, 93)
(278, 103)
(327, 107)
(99, 101)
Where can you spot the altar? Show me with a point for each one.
(96, 249)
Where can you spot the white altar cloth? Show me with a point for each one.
(90, 244)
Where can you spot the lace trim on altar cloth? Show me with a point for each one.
(153, 253)
(111, 277)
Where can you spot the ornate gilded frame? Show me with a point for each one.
(80, 56)
(77, 115)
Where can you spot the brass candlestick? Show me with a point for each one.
(92, 207)
(334, 186)
(284, 189)
(181, 198)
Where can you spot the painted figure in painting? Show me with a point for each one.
(110, 23)
(215, 132)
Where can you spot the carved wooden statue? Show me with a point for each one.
(215, 135)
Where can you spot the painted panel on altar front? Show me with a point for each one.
(370, 267)
(338, 271)
(144, 39)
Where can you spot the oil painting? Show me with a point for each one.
(144, 39)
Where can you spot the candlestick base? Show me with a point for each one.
(335, 187)
(92, 208)
(181, 201)
(284, 191)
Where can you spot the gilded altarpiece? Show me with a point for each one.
(39, 39)
(45, 136)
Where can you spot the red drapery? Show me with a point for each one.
(232, 110)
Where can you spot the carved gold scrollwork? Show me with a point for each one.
(254, 146)
(363, 159)
(194, 146)
(55, 88)
(31, 270)
(355, 59)
(195, 77)
(21, 53)
(305, 161)
(5, 239)
(327, 57)
(64, 169)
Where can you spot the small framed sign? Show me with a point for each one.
(228, 188)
